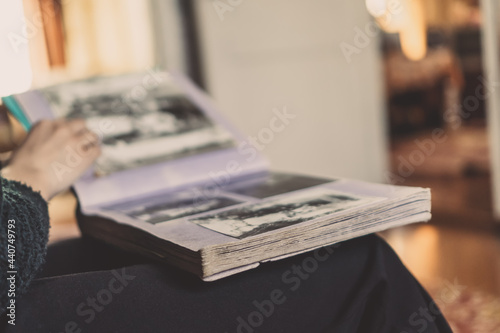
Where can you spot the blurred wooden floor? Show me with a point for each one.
(456, 170)
(462, 241)
(439, 254)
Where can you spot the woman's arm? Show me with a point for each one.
(53, 156)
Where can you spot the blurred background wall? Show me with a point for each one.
(256, 61)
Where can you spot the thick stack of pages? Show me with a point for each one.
(176, 182)
(266, 217)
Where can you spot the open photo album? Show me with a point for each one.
(178, 183)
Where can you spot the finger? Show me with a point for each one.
(86, 140)
(42, 129)
(90, 154)
(90, 136)
(77, 126)
(44, 124)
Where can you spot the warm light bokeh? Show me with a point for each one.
(413, 35)
(406, 17)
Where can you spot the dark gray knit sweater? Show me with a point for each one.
(27, 211)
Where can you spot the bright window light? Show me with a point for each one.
(15, 68)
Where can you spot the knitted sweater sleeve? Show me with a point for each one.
(26, 211)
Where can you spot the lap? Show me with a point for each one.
(358, 286)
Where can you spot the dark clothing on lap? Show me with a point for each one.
(356, 286)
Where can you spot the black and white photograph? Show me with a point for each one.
(254, 219)
(156, 210)
(274, 183)
(138, 125)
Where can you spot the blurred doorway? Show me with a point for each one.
(435, 94)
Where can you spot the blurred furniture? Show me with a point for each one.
(416, 89)
(467, 48)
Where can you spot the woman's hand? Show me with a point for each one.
(53, 156)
